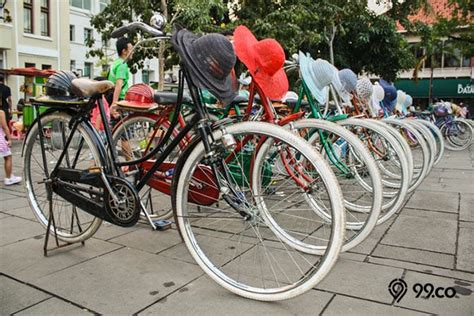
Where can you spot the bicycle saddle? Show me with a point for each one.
(86, 88)
(240, 99)
(292, 103)
(169, 98)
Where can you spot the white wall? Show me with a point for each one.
(81, 19)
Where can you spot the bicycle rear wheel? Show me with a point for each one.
(221, 212)
(73, 225)
(136, 136)
(356, 171)
(390, 158)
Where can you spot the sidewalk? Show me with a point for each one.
(137, 270)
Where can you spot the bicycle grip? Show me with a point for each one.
(118, 32)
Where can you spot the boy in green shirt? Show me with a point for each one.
(119, 73)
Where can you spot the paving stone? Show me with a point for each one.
(54, 306)
(149, 240)
(7, 195)
(462, 304)
(3, 215)
(353, 256)
(23, 212)
(15, 296)
(416, 256)
(206, 297)
(108, 231)
(343, 305)
(361, 279)
(466, 210)
(13, 204)
(120, 282)
(17, 190)
(437, 201)
(465, 256)
(423, 268)
(462, 185)
(466, 225)
(369, 244)
(423, 233)
(438, 187)
(14, 229)
(179, 252)
(429, 214)
(25, 260)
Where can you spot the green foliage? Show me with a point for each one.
(362, 40)
(196, 15)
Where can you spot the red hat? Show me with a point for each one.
(264, 59)
(138, 96)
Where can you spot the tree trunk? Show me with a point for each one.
(430, 95)
(331, 43)
(161, 52)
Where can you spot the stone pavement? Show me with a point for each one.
(136, 270)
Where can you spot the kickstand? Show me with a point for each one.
(150, 221)
(52, 222)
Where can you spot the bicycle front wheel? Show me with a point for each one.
(221, 197)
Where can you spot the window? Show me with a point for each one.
(82, 4)
(437, 58)
(87, 35)
(44, 67)
(103, 4)
(88, 70)
(105, 68)
(72, 33)
(44, 17)
(452, 56)
(72, 66)
(29, 65)
(416, 50)
(28, 16)
(466, 61)
(146, 76)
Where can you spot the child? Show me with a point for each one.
(5, 152)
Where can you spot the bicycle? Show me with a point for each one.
(232, 237)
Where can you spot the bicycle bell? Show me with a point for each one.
(158, 21)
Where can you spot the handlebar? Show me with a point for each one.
(133, 26)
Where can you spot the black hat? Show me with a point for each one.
(209, 59)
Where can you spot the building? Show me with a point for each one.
(32, 35)
(80, 31)
(453, 73)
(52, 34)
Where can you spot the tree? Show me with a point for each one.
(345, 32)
(457, 27)
(196, 15)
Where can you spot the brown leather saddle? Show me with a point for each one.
(85, 88)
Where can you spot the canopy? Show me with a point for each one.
(29, 71)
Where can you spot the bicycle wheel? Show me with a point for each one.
(136, 136)
(223, 216)
(390, 158)
(420, 150)
(458, 135)
(73, 225)
(356, 172)
(428, 137)
(438, 138)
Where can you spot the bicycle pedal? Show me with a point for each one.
(162, 225)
